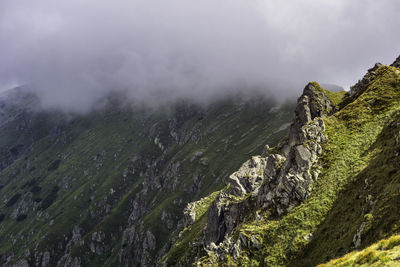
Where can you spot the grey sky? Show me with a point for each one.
(75, 51)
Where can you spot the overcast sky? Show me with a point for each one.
(75, 51)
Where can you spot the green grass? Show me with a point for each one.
(383, 253)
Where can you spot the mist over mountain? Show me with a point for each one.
(74, 52)
(199, 133)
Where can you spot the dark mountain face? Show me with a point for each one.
(109, 188)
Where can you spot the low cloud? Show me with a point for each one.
(74, 52)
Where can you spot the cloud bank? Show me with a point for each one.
(73, 52)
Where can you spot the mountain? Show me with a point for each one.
(331, 187)
(108, 188)
(241, 181)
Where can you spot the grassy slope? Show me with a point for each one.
(87, 159)
(384, 253)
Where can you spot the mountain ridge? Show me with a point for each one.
(262, 236)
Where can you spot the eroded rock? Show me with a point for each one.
(274, 182)
(136, 246)
(248, 178)
(357, 89)
(396, 63)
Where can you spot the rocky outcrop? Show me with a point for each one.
(183, 113)
(290, 185)
(274, 182)
(22, 263)
(248, 178)
(357, 89)
(396, 63)
(137, 244)
(225, 213)
(311, 104)
(189, 214)
(67, 260)
(229, 208)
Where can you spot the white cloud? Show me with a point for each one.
(75, 51)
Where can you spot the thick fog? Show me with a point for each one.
(73, 52)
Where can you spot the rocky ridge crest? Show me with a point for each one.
(274, 182)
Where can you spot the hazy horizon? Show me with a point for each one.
(74, 52)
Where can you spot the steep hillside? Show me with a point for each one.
(109, 188)
(330, 188)
(384, 253)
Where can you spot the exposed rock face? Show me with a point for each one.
(67, 259)
(357, 236)
(97, 245)
(175, 124)
(292, 183)
(248, 178)
(73, 262)
(396, 63)
(136, 244)
(230, 207)
(22, 263)
(357, 89)
(275, 182)
(46, 259)
(225, 214)
(189, 214)
(311, 104)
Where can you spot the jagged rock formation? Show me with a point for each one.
(396, 63)
(130, 238)
(313, 103)
(357, 89)
(248, 178)
(277, 182)
(293, 180)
